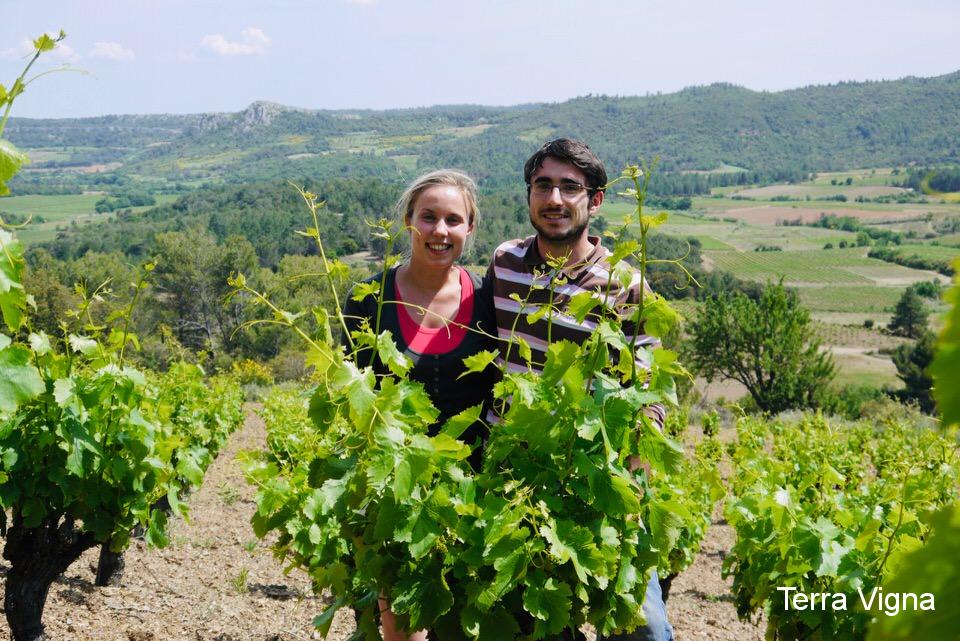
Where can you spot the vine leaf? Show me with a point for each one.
(19, 380)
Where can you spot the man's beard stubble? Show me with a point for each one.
(572, 234)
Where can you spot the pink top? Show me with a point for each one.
(439, 340)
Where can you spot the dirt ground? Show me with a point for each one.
(215, 582)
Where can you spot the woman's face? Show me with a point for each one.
(440, 224)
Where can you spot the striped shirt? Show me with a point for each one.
(517, 266)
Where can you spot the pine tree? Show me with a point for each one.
(909, 316)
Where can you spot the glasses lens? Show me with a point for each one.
(571, 189)
(542, 187)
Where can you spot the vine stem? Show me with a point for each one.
(311, 201)
(19, 84)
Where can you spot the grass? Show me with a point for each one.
(52, 208)
(852, 298)
(57, 220)
(815, 267)
(239, 582)
(930, 252)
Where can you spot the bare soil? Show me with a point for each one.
(216, 582)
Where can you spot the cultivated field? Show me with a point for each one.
(817, 267)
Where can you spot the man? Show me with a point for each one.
(565, 182)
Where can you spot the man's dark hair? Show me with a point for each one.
(574, 152)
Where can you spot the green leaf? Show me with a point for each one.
(63, 391)
(478, 362)
(423, 595)
(498, 625)
(560, 357)
(13, 299)
(510, 561)
(82, 344)
(362, 290)
(39, 343)
(457, 424)
(934, 570)
(548, 601)
(658, 316)
(946, 360)
(323, 621)
(580, 305)
(571, 542)
(19, 379)
(623, 249)
(613, 494)
(157, 531)
(189, 468)
(44, 43)
(11, 159)
(523, 348)
(391, 356)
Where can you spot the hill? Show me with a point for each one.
(834, 127)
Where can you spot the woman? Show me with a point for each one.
(438, 313)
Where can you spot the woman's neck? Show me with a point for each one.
(426, 281)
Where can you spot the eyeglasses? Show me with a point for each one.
(567, 189)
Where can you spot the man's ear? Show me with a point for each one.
(595, 201)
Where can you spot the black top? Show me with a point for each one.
(437, 372)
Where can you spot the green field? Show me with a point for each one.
(816, 267)
(930, 252)
(723, 235)
(852, 298)
(52, 208)
(59, 212)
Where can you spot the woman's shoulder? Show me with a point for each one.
(476, 279)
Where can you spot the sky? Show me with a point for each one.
(192, 56)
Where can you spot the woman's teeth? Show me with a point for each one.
(439, 247)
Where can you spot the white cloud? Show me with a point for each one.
(252, 41)
(111, 51)
(23, 50)
(63, 53)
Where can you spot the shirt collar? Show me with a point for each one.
(533, 260)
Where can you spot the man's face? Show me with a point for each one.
(558, 210)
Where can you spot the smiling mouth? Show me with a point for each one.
(554, 215)
(439, 247)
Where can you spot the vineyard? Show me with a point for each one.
(829, 266)
(368, 502)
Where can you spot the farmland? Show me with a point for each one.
(817, 267)
(52, 214)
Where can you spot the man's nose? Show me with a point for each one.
(554, 196)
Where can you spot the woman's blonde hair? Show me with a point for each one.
(444, 177)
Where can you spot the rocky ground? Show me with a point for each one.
(216, 582)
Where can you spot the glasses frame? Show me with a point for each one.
(539, 187)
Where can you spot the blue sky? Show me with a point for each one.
(180, 56)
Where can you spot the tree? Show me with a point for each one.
(767, 345)
(910, 316)
(912, 361)
(191, 284)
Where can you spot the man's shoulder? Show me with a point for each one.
(511, 246)
(512, 250)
